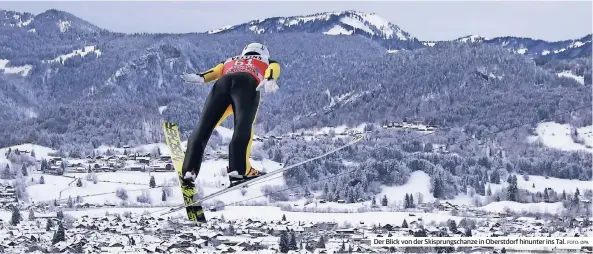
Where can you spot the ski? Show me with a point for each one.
(195, 212)
(267, 175)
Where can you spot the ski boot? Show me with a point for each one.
(236, 178)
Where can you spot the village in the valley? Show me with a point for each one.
(134, 233)
(71, 224)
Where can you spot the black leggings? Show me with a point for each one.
(231, 93)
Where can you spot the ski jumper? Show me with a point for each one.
(232, 93)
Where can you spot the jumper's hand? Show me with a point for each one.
(193, 78)
(269, 86)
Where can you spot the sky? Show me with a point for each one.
(435, 20)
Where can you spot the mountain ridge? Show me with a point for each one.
(114, 84)
(335, 23)
(370, 24)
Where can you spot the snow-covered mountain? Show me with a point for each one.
(376, 28)
(349, 22)
(51, 22)
(542, 51)
(545, 50)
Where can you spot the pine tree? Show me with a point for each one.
(374, 201)
(24, 169)
(407, 201)
(31, 215)
(512, 190)
(163, 195)
(6, 173)
(563, 194)
(384, 200)
(16, 216)
(468, 232)
(293, 243)
(546, 196)
(283, 217)
(41, 180)
(576, 199)
(59, 235)
(152, 183)
(60, 214)
(70, 202)
(489, 191)
(43, 166)
(412, 205)
(452, 226)
(495, 177)
(342, 248)
(49, 225)
(231, 230)
(62, 169)
(284, 242)
(321, 243)
(437, 190)
(79, 182)
(405, 224)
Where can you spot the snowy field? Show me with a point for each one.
(541, 183)
(569, 74)
(210, 178)
(40, 151)
(78, 52)
(558, 136)
(21, 70)
(499, 207)
(418, 184)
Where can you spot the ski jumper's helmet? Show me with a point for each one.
(256, 48)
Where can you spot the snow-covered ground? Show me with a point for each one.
(81, 52)
(210, 180)
(22, 70)
(568, 74)
(499, 207)
(418, 184)
(40, 151)
(558, 136)
(541, 183)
